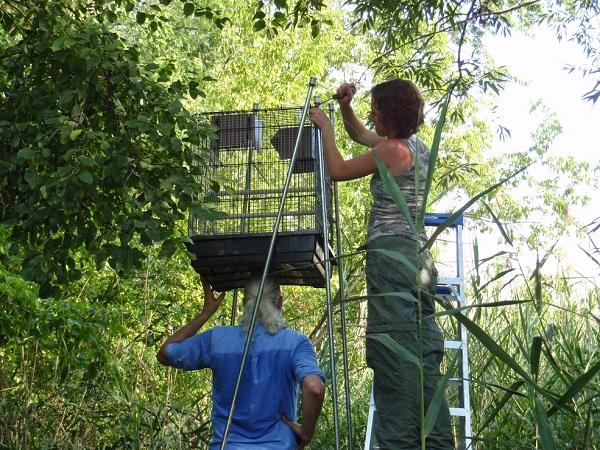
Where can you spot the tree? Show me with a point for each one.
(97, 147)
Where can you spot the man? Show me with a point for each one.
(278, 361)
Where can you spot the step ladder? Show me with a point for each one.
(452, 289)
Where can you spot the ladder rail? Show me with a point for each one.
(465, 374)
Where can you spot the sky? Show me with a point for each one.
(538, 62)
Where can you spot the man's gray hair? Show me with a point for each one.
(269, 316)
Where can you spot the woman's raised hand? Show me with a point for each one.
(345, 93)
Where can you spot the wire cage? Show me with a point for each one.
(249, 159)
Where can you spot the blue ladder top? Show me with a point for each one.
(434, 219)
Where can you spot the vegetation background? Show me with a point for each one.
(98, 167)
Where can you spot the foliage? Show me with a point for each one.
(96, 144)
(551, 337)
(98, 163)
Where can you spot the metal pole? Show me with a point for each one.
(327, 264)
(234, 306)
(342, 297)
(311, 85)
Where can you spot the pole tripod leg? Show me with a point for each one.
(327, 265)
(312, 83)
(342, 296)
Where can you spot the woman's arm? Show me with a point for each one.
(395, 154)
(354, 127)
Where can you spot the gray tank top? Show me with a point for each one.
(386, 219)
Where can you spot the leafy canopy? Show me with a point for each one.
(96, 144)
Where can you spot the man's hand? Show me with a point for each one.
(301, 435)
(211, 304)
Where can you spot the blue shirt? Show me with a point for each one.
(275, 366)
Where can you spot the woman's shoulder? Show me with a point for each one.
(396, 146)
(396, 154)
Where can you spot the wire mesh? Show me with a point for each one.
(246, 165)
(249, 157)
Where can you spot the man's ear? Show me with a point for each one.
(279, 302)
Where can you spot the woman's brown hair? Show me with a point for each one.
(401, 106)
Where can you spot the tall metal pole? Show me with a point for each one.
(311, 85)
(327, 264)
(342, 297)
(234, 306)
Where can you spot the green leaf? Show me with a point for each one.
(450, 310)
(259, 25)
(498, 224)
(32, 178)
(439, 396)
(188, 9)
(73, 134)
(175, 107)
(495, 349)
(534, 356)
(48, 290)
(494, 278)
(466, 206)
(259, 15)
(25, 153)
(433, 152)
(541, 263)
(315, 28)
(86, 177)
(538, 286)
(577, 385)
(512, 390)
(394, 347)
(57, 44)
(167, 249)
(166, 129)
(140, 17)
(544, 430)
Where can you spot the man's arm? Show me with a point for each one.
(313, 393)
(211, 304)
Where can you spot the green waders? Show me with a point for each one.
(392, 309)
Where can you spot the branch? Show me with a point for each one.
(455, 25)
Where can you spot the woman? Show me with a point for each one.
(395, 289)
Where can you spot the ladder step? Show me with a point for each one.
(449, 281)
(453, 345)
(458, 412)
